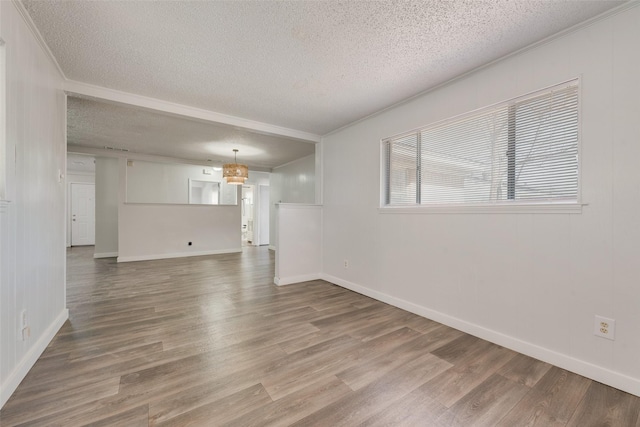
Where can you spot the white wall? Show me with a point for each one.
(299, 243)
(153, 182)
(291, 183)
(32, 225)
(532, 282)
(258, 178)
(75, 177)
(106, 207)
(155, 231)
(295, 181)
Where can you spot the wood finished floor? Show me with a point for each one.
(210, 341)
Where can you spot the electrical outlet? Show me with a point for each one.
(346, 263)
(605, 327)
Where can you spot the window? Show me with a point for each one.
(524, 150)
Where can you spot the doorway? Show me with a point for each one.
(83, 218)
(255, 215)
(248, 211)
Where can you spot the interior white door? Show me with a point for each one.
(83, 216)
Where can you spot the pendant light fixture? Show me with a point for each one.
(235, 173)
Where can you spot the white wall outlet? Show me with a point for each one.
(605, 327)
(346, 263)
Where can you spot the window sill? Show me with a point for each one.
(497, 208)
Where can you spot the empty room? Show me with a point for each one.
(320, 213)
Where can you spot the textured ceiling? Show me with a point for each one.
(312, 66)
(98, 124)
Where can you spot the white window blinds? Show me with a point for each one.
(524, 149)
(402, 167)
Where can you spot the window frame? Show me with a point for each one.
(507, 206)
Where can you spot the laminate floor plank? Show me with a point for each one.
(184, 396)
(295, 406)
(484, 406)
(551, 402)
(463, 349)
(181, 373)
(81, 352)
(605, 406)
(38, 405)
(338, 299)
(221, 411)
(119, 353)
(416, 409)
(210, 341)
(81, 371)
(295, 344)
(385, 324)
(524, 370)
(289, 380)
(109, 318)
(360, 375)
(136, 417)
(468, 373)
(359, 317)
(223, 337)
(356, 408)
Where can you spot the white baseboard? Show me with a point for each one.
(272, 247)
(106, 255)
(281, 281)
(606, 376)
(22, 369)
(176, 255)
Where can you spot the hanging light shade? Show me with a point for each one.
(235, 173)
